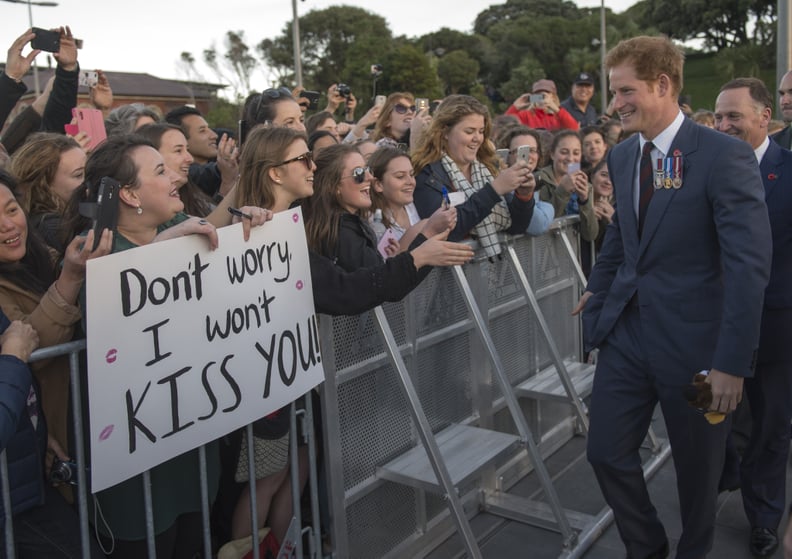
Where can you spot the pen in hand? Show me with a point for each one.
(239, 213)
(446, 199)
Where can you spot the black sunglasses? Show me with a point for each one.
(359, 174)
(403, 109)
(272, 93)
(306, 158)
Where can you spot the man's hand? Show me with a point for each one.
(16, 64)
(726, 391)
(582, 303)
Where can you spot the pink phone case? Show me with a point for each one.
(91, 121)
(384, 241)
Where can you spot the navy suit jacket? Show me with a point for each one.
(776, 168)
(701, 266)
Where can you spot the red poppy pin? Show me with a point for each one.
(677, 153)
(771, 177)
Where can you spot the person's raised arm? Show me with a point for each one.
(11, 86)
(63, 98)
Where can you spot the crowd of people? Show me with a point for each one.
(386, 197)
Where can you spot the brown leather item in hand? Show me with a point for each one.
(699, 395)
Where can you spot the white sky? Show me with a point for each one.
(149, 35)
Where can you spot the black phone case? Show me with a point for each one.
(45, 40)
(106, 208)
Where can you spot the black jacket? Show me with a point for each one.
(428, 197)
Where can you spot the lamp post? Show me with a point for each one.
(296, 44)
(30, 5)
(603, 49)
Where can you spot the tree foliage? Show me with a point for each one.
(719, 23)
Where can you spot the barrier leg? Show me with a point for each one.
(9, 521)
(558, 361)
(526, 435)
(427, 437)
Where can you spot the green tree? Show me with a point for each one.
(338, 44)
(406, 68)
(719, 23)
(458, 70)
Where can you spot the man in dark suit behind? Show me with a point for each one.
(784, 136)
(677, 289)
(743, 109)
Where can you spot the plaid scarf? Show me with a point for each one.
(498, 220)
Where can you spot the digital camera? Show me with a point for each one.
(63, 472)
(343, 89)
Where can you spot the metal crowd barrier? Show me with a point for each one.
(432, 409)
(293, 542)
(435, 406)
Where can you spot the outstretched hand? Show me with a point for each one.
(16, 64)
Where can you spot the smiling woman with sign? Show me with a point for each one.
(150, 210)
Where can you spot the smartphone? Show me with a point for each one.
(106, 208)
(45, 40)
(433, 106)
(91, 121)
(536, 98)
(313, 97)
(503, 155)
(89, 78)
(379, 100)
(573, 168)
(524, 153)
(421, 103)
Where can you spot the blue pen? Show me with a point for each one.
(446, 199)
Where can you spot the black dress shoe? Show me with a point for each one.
(764, 542)
(660, 553)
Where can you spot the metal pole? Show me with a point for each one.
(296, 45)
(603, 50)
(35, 64)
(784, 47)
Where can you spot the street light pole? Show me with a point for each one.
(603, 50)
(30, 20)
(296, 45)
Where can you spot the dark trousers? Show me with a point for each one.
(51, 531)
(623, 400)
(763, 467)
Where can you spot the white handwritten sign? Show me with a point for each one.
(187, 344)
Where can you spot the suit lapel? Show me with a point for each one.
(770, 167)
(685, 142)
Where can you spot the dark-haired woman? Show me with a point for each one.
(150, 210)
(32, 290)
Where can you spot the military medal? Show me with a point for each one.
(667, 173)
(658, 175)
(677, 166)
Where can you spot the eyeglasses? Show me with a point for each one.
(530, 150)
(306, 158)
(272, 93)
(403, 109)
(359, 174)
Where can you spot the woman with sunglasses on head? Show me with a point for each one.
(399, 125)
(457, 157)
(272, 108)
(518, 139)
